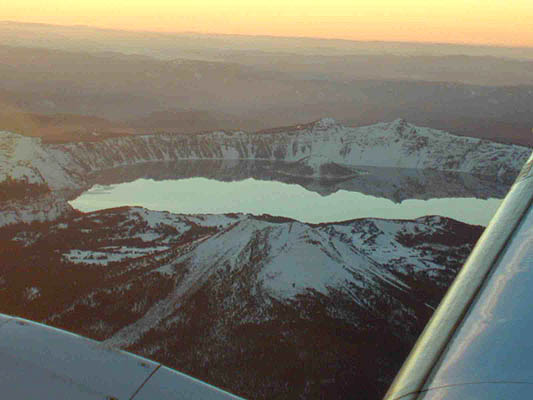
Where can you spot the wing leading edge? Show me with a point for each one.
(478, 342)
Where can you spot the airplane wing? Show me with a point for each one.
(479, 342)
(41, 362)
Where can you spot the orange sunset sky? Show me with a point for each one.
(502, 22)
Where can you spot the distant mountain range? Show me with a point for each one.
(198, 45)
(66, 95)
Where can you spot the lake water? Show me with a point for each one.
(209, 196)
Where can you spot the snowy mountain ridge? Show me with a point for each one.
(27, 160)
(286, 258)
(243, 295)
(397, 144)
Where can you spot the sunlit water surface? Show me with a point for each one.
(207, 196)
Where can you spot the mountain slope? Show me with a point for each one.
(263, 306)
(397, 144)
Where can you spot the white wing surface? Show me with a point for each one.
(41, 362)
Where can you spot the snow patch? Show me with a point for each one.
(110, 255)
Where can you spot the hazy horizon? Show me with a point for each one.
(125, 81)
(500, 23)
(327, 39)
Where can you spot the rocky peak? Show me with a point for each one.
(325, 123)
(398, 125)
